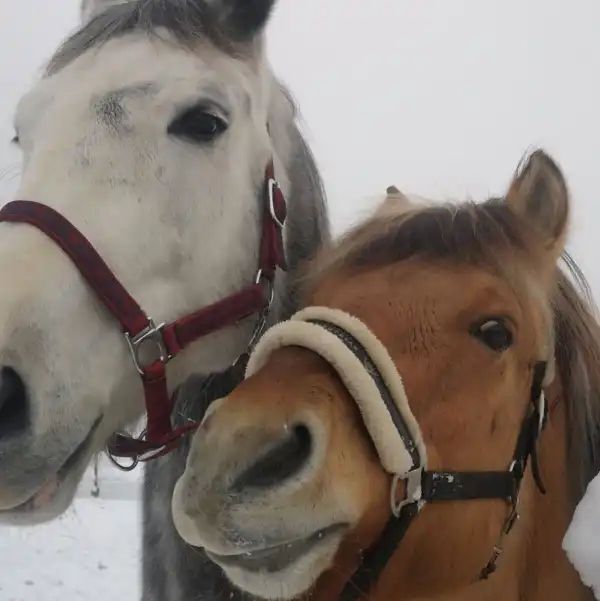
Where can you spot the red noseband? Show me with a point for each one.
(167, 339)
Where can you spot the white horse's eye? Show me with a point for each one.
(198, 124)
(15, 140)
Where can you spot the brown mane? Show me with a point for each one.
(482, 234)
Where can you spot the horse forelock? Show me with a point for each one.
(187, 21)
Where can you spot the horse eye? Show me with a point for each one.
(15, 140)
(494, 333)
(197, 125)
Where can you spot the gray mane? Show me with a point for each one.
(186, 20)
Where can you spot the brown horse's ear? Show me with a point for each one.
(395, 202)
(539, 195)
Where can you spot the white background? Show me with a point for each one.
(440, 98)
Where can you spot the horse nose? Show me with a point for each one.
(281, 461)
(13, 403)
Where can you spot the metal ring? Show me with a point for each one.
(123, 468)
(272, 184)
(134, 460)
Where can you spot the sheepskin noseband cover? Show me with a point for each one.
(397, 438)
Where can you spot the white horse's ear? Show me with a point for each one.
(241, 20)
(90, 8)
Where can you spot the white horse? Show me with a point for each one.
(150, 131)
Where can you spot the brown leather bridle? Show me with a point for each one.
(169, 339)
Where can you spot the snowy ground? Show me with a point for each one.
(91, 553)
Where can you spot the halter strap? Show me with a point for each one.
(139, 329)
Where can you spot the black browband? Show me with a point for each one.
(428, 487)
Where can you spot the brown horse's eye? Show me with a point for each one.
(494, 333)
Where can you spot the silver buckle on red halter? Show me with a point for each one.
(151, 333)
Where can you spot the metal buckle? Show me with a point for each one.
(150, 333)
(413, 492)
(271, 185)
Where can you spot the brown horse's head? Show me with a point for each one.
(289, 477)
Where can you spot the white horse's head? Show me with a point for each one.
(150, 131)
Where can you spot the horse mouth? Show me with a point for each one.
(278, 557)
(51, 486)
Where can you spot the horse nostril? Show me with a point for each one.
(282, 461)
(13, 403)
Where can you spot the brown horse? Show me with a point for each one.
(387, 435)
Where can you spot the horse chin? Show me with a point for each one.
(56, 494)
(282, 571)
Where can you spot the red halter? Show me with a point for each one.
(168, 339)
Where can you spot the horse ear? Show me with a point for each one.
(539, 195)
(90, 8)
(242, 20)
(395, 202)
